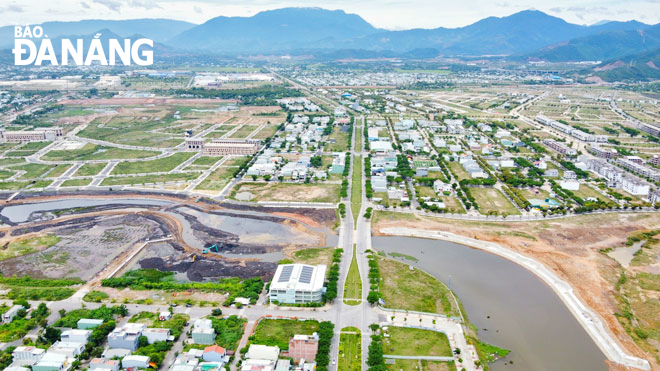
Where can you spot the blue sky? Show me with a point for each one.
(390, 14)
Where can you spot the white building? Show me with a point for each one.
(78, 336)
(156, 334)
(265, 352)
(203, 332)
(298, 284)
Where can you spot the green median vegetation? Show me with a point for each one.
(353, 285)
(350, 350)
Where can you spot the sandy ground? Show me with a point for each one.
(570, 247)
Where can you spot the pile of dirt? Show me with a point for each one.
(203, 269)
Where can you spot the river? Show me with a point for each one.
(510, 306)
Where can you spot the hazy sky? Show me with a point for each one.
(390, 14)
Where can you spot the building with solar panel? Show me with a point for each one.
(297, 284)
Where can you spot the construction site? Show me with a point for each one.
(196, 239)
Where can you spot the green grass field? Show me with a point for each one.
(279, 331)
(217, 180)
(353, 285)
(76, 182)
(152, 166)
(33, 170)
(89, 169)
(402, 288)
(244, 131)
(145, 179)
(93, 152)
(59, 170)
(350, 350)
(416, 342)
(492, 200)
(342, 140)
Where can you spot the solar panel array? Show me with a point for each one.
(285, 276)
(306, 274)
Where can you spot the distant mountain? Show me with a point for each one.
(288, 29)
(603, 46)
(281, 29)
(325, 33)
(638, 67)
(159, 30)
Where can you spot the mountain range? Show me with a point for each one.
(527, 35)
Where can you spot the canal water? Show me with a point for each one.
(510, 306)
(21, 213)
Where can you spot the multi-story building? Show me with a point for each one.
(640, 169)
(203, 332)
(599, 151)
(298, 284)
(23, 136)
(126, 337)
(560, 147)
(303, 347)
(225, 147)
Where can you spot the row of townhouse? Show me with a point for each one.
(567, 129)
(616, 178)
(559, 147)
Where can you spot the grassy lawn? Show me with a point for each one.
(59, 170)
(265, 132)
(342, 140)
(206, 161)
(458, 170)
(350, 350)
(402, 288)
(492, 200)
(41, 184)
(217, 180)
(89, 169)
(33, 170)
(244, 131)
(291, 192)
(279, 331)
(313, 256)
(453, 204)
(152, 166)
(586, 191)
(356, 188)
(4, 174)
(353, 285)
(131, 131)
(139, 180)
(424, 365)
(416, 342)
(27, 246)
(95, 152)
(12, 186)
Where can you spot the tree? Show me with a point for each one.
(51, 334)
(373, 297)
(143, 341)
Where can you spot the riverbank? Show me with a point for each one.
(585, 316)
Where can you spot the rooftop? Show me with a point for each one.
(299, 277)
